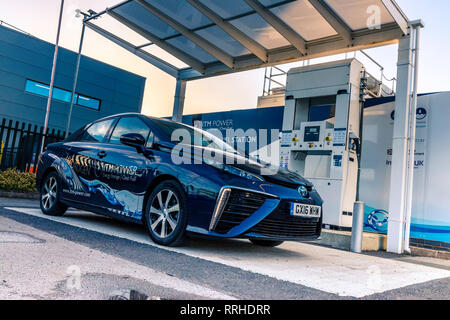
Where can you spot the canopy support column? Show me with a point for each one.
(178, 104)
(416, 25)
(402, 161)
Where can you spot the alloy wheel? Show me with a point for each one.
(49, 195)
(164, 213)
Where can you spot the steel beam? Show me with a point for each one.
(157, 62)
(179, 54)
(388, 34)
(99, 14)
(334, 20)
(249, 43)
(397, 14)
(279, 25)
(213, 50)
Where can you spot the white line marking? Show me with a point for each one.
(334, 271)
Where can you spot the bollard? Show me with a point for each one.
(357, 227)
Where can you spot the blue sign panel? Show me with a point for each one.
(247, 125)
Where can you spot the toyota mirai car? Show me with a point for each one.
(128, 167)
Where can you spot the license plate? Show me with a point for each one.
(305, 210)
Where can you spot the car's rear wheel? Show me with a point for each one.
(166, 214)
(50, 196)
(266, 243)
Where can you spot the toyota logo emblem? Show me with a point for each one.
(303, 191)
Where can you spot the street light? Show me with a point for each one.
(55, 60)
(79, 13)
(75, 79)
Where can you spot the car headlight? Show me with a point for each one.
(243, 174)
(235, 171)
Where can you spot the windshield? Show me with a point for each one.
(198, 137)
(204, 139)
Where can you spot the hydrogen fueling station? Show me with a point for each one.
(324, 152)
(370, 145)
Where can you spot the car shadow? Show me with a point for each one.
(232, 248)
(240, 247)
(92, 217)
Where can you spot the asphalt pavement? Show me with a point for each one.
(84, 256)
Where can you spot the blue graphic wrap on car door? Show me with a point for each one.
(82, 161)
(121, 181)
(67, 167)
(82, 166)
(122, 176)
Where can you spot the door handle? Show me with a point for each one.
(102, 154)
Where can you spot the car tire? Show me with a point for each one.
(165, 215)
(266, 243)
(49, 199)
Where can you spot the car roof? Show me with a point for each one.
(140, 115)
(118, 115)
(132, 114)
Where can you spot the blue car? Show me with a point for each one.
(127, 167)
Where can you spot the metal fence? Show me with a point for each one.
(20, 144)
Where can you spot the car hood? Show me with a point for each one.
(270, 173)
(275, 174)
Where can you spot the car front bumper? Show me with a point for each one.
(253, 214)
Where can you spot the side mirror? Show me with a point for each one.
(133, 140)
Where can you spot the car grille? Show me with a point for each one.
(281, 224)
(241, 205)
(288, 229)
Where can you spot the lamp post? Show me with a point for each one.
(75, 78)
(77, 68)
(55, 60)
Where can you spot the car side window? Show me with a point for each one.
(97, 131)
(129, 125)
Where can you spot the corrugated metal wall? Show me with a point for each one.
(23, 57)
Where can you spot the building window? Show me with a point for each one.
(59, 94)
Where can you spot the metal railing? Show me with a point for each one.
(382, 76)
(20, 144)
(274, 77)
(269, 80)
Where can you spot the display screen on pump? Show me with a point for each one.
(312, 134)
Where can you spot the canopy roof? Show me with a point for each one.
(205, 38)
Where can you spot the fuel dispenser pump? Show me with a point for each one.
(321, 133)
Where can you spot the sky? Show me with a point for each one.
(236, 91)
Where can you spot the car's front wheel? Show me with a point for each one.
(166, 214)
(266, 243)
(49, 199)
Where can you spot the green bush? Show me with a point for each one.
(12, 180)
